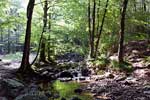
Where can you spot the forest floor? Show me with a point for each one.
(112, 85)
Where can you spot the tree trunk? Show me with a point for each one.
(25, 65)
(121, 33)
(43, 43)
(144, 5)
(135, 5)
(49, 49)
(98, 19)
(1, 40)
(93, 29)
(89, 25)
(101, 29)
(8, 42)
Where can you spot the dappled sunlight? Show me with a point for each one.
(74, 50)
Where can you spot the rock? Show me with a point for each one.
(127, 83)
(109, 75)
(34, 87)
(12, 87)
(44, 73)
(32, 96)
(75, 73)
(3, 98)
(56, 96)
(31, 88)
(65, 74)
(101, 98)
(48, 94)
(75, 98)
(113, 58)
(101, 90)
(65, 79)
(85, 72)
(94, 90)
(146, 90)
(78, 91)
(82, 78)
(12, 83)
(120, 78)
(63, 98)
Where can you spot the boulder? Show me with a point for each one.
(63, 98)
(3, 98)
(78, 91)
(85, 72)
(75, 73)
(32, 87)
(65, 74)
(56, 96)
(48, 94)
(82, 78)
(146, 89)
(12, 87)
(12, 83)
(36, 95)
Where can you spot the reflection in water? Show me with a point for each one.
(65, 90)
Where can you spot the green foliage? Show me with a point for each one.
(69, 25)
(102, 62)
(135, 36)
(125, 66)
(108, 41)
(147, 59)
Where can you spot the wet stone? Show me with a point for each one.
(63, 99)
(56, 96)
(3, 98)
(75, 98)
(78, 91)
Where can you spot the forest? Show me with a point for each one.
(74, 49)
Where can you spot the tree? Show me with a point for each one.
(49, 28)
(25, 65)
(121, 33)
(101, 29)
(93, 28)
(43, 42)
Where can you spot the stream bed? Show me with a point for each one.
(68, 91)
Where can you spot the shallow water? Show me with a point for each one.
(66, 90)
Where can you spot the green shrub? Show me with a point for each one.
(101, 62)
(147, 59)
(125, 66)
